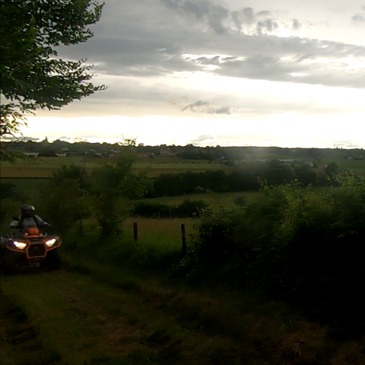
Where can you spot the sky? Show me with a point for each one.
(287, 73)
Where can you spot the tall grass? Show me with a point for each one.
(162, 234)
(156, 245)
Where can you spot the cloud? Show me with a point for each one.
(289, 60)
(211, 12)
(243, 18)
(215, 16)
(296, 25)
(253, 22)
(204, 107)
(171, 39)
(147, 51)
(359, 18)
(20, 138)
(267, 26)
(203, 140)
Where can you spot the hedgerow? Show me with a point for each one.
(293, 242)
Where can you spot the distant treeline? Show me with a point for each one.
(209, 153)
(247, 176)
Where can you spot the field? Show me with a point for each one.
(163, 235)
(124, 303)
(30, 174)
(43, 167)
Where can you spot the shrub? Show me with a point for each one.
(188, 208)
(152, 210)
(295, 243)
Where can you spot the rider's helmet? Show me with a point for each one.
(27, 210)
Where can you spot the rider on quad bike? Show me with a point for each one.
(28, 219)
(30, 246)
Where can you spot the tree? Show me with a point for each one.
(64, 199)
(110, 188)
(33, 76)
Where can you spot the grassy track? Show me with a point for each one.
(102, 316)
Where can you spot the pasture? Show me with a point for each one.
(43, 167)
(28, 175)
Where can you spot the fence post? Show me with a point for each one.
(81, 233)
(135, 231)
(183, 239)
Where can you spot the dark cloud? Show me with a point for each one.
(296, 24)
(220, 19)
(204, 107)
(267, 26)
(213, 13)
(197, 104)
(248, 16)
(263, 13)
(243, 18)
(251, 22)
(203, 140)
(288, 59)
(359, 18)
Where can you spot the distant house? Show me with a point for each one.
(93, 153)
(167, 152)
(31, 154)
(291, 161)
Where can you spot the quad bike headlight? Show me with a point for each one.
(50, 242)
(20, 245)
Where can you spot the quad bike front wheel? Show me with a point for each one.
(53, 260)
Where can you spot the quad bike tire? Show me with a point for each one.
(53, 260)
(8, 262)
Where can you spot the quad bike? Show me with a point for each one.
(30, 249)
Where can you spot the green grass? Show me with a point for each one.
(26, 185)
(173, 165)
(116, 304)
(158, 231)
(44, 166)
(19, 341)
(355, 166)
(116, 316)
(158, 244)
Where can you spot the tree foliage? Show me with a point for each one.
(109, 192)
(33, 76)
(300, 244)
(64, 199)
